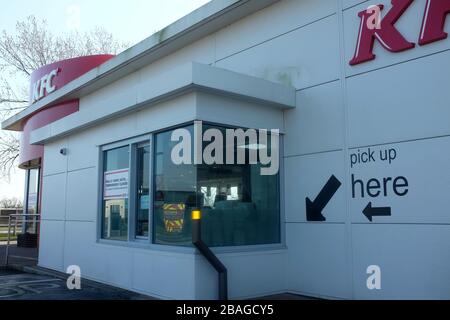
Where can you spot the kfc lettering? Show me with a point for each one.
(390, 38)
(44, 85)
(433, 21)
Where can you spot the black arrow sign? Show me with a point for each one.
(314, 209)
(371, 212)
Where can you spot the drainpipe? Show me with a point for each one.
(209, 255)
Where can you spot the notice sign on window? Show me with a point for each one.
(115, 184)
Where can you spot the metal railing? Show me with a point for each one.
(4, 225)
(27, 224)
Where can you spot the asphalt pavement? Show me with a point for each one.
(19, 285)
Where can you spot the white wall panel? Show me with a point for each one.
(424, 165)
(53, 205)
(238, 113)
(103, 263)
(167, 114)
(317, 124)
(317, 260)
(302, 58)
(82, 195)
(414, 260)
(122, 92)
(404, 102)
(244, 279)
(305, 176)
(350, 3)
(271, 22)
(108, 132)
(202, 51)
(51, 245)
(166, 275)
(54, 161)
(82, 150)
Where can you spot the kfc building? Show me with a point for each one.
(358, 206)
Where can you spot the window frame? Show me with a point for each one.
(25, 208)
(132, 144)
(147, 243)
(27, 189)
(134, 192)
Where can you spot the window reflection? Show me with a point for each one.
(33, 188)
(115, 194)
(175, 195)
(32, 200)
(240, 206)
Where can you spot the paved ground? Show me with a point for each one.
(22, 256)
(19, 285)
(16, 285)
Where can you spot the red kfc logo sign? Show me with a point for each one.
(373, 28)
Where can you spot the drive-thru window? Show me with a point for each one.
(240, 207)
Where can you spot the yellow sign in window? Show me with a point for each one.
(174, 217)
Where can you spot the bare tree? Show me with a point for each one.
(9, 152)
(32, 46)
(11, 203)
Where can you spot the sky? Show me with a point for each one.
(131, 21)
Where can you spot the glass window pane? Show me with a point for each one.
(33, 188)
(142, 190)
(32, 198)
(240, 206)
(115, 194)
(174, 194)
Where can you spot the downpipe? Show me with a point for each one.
(209, 255)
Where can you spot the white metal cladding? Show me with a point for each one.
(397, 102)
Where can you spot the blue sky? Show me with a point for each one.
(131, 21)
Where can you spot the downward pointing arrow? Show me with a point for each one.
(371, 212)
(314, 209)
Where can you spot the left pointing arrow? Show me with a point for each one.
(314, 209)
(371, 212)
